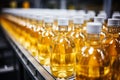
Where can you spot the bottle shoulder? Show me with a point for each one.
(62, 44)
(48, 33)
(93, 56)
(111, 40)
(76, 35)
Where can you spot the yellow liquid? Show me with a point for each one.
(92, 63)
(11, 27)
(44, 54)
(33, 38)
(62, 57)
(90, 69)
(112, 45)
(103, 32)
(77, 36)
(44, 47)
(70, 27)
(33, 46)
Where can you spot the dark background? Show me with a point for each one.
(77, 4)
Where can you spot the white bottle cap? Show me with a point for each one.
(116, 13)
(63, 21)
(48, 19)
(117, 16)
(91, 13)
(113, 22)
(99, 19)
(33, 16)
(102, 14)
(93, 28)
(39, 16)
(86, 17)
(78, 20)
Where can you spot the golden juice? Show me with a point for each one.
(45, 42)
(62, 52)
(111, 45)
(92, 62)
(33, 37)
(77, 33)
(27, 33)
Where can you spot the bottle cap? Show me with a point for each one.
(32, 16)
(113, 22)
(93, 27)
(48, 19)
(117, 16)
(102, 14)
(86, 17)
(63, 21)
(99, 19)
(78, 20)
(91, 13)
(39, 16)
(116, 13)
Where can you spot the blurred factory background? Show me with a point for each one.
(97, 5)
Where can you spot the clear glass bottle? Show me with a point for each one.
(111, 45)
(32, 35)
(77, 33)
(92, 62)
(62, 52)
(46, 40)
(27, 32)
(40, 29)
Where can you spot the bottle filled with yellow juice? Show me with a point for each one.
(33, 38)
(111, 45)
(46, 40)
(92, 62)
(27, 30)
(77, 33)
(62, 59)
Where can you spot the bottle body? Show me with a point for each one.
(62, 57)
(44, 45)
(111, 45)
(90, 63)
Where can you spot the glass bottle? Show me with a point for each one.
(62, 52)
(92, 62)
(40, 29)
(27, 31)
(32, 35)
(45, 42)
(77, 33)
(111, 45)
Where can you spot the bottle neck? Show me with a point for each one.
(93, 40)
(77, 27)
(63, 30)
(114, 31)
(40, 26)
(70, 25)
(40, 23)
(48, 26)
